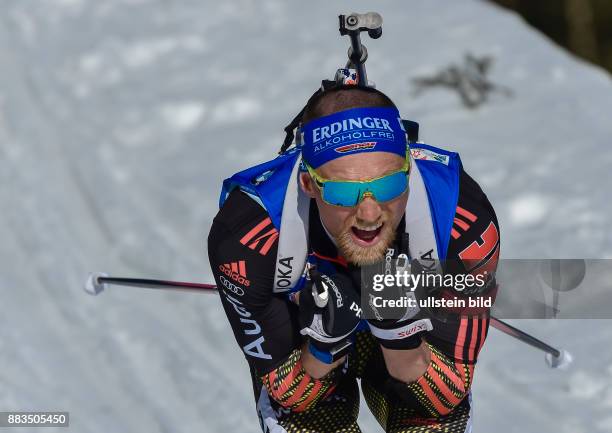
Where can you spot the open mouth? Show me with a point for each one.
(366, 236)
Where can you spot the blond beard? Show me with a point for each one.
(362, 256)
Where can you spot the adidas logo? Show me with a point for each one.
(236, 271)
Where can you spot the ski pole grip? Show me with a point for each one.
(319, 288)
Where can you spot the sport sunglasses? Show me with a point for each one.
(349, 193)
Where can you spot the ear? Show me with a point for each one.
(307, 185)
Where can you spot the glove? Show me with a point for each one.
(329, 313)
(394, 327)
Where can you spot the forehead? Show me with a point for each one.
(360, 166)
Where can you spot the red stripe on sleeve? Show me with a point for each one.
(473, 338)
(461, 339)
(467, 214)
(259, 227)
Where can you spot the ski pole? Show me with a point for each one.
(98, 281)
(555, 358)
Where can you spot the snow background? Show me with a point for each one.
(120, 118)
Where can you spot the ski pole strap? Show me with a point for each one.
(322, 355)
(332, 355)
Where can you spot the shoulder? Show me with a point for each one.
(243, 238)
(475, 234)
(238, 211)
(243, 220)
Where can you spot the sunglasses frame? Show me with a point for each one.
(320, 181)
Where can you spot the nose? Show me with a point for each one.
(368, 211)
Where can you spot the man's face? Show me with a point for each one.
(365, 231)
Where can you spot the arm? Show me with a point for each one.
(293, 387)
(316, 368)
(438, 379)
(329, 313)
(311, 364)
(328, 321)
(265, 326)
(407, 365)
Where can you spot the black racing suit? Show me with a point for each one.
(242, 247)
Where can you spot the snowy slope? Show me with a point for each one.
(118, 121)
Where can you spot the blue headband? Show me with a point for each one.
(374, 129)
